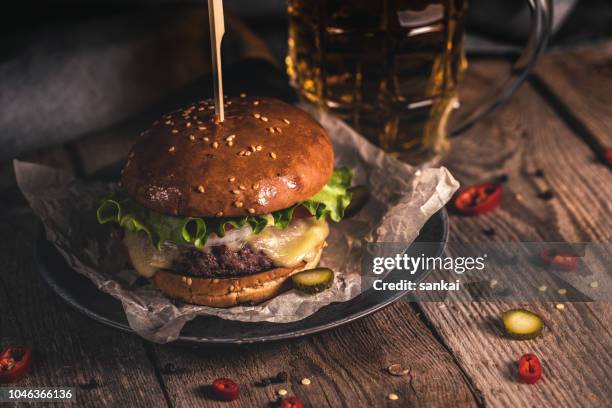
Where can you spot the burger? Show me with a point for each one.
(225, 213)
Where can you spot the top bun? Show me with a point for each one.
(266, 156)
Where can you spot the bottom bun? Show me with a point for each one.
(228, 292)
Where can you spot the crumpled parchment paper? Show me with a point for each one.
(402, 199)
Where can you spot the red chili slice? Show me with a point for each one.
(608, 156)
(559, 259)
(225, 389)
(478, 198)
(529, 369)
(14, 363)
(291, 402)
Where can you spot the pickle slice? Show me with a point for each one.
(359, 198)
(522, 324)
(313, 280)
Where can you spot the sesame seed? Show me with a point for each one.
(562, 291)
(242, 187)
(201, 108)
(215, 145)
(594, 284)
(256, 115)
(305, 381)
(264, 118)
(230, 143)
(235, 191)
(174, 131)
(393, 397)
(191, 137)
(248, 153)
(201, 188)
(229, 102)
(560, 306)
(169, 122)
(252, 148)
(189, 281)
(242, 153)
(231, 179)
(259, 148)
(206, 139)
(271, 129)
(184, 278)
(282, 392)
(255, 186)
(251, 211)
(211, 108)
(239, 204)
(286, 121)
(188, 124)
(230, 137)
(279, 130)
(493, 283)
(542, 288)
(171, 149)
(201, 127)
(256, 103)
(243, 95)
(220, 214)
(231, 288)
(194, 117)
(273, 155)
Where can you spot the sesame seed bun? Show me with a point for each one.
(266, 156)
(228, 292)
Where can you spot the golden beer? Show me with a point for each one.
(387, 67)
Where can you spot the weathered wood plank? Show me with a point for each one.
(346, 367)
(522, 137)
(582, 80)
(107, 367)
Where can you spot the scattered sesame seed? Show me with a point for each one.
(594, 284)
(243, 95)
(201, 108)
(215, 145)
(286, 121)
(169, 122)
(393, 397)
(220, 214)
(241, 153)
(305, 381)
(282, 392)
(242, 187)
(235, 191)
(184, 278)
(256, 115)
(256, 103)
(201, 127)
(251, 211)
(238, 204)
(191, 137)
(253, 148)
(188, 124)
(255, 186)
(518, 196)
(211, 108)
(189, 281)
(264, 118)
(206, 139)
(229, 102)
(230, 137)
(279, 130)
(493, 283)
(231, 179)
(562, 291)
(560, 306)
(273, 155)
(270, 129)
(171, 149)
(230, 143)
(247, 153)
(201, 188)
(259, 148)
(174, 131)
(542, 288)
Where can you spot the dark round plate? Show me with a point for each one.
(81, 293)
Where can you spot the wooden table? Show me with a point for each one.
(455, 352)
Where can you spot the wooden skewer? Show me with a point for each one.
(217, 29)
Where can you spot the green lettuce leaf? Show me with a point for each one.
(331, 201)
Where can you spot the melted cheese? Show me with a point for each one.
(286, 247)
(145, 258)
(296, 243)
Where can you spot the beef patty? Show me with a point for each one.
(221, 262)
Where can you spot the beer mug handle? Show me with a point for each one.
(541, 22)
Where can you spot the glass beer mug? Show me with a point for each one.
(390, 68)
